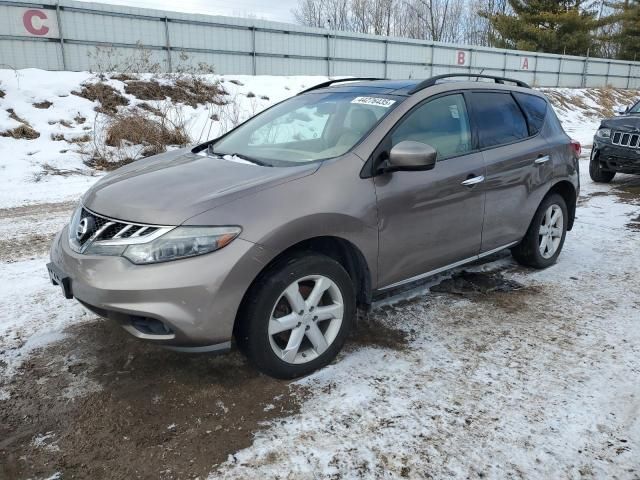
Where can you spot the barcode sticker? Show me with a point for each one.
(379, 102)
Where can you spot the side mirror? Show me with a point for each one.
(410, 155)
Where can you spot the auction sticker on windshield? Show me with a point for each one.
(380, 102)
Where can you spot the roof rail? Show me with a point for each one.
(429, 82)
(336, 80)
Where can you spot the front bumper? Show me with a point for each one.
(617, 159)
(193, 301)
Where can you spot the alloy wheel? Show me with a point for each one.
(550, 233)
(306, 319)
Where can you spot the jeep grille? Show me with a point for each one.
(625, 139)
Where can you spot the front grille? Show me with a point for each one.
(98, 228)
(624, 139)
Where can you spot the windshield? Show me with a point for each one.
(635, 108)
(306, 128)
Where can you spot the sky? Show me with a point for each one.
(279, 10)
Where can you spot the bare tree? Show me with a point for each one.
(438, 20)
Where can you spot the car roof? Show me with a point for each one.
(395, 87)
(411, 86)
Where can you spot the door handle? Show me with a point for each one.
(542, 159)
(473, 181)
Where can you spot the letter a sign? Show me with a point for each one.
(525, 63)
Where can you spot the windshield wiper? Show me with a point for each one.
(240, 156)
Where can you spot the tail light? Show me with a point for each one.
(576, 147)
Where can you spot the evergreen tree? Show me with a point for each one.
(628, 36)
(549, 26)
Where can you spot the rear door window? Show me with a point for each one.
(535, 109)
(498, 118)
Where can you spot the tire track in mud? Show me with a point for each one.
(27, 231)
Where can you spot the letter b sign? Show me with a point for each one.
(462, 58)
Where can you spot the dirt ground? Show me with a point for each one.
(99, 404)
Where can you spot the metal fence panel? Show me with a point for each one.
(203, 37)
(29, 54)
(66, 36)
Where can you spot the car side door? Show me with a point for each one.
(431, 219)
(519, 163)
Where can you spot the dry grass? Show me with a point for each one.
(24, 131)
(110, 99)
(79, 119)
(14, 116)
(138, 129)
(133, 134)
(1, 93)
(46, 169)
(80, 139)
(188, 90)
(43, 105)
(99, 162)
(123, 77)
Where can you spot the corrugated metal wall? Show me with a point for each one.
(67, 36)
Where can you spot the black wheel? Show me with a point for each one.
(596, 172)
(297, 315)
(545, 237)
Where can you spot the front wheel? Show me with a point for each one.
(596, 172)
(297, 316)
(543, 242)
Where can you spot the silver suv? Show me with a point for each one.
(276, 232)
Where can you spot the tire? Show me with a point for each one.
(269, 307)
(529, 251)
(596, 172)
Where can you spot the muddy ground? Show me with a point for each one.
(100, 404)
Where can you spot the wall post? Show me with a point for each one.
(254, 67)
(61, 35)
(559, 72)
(583, 82)
(167, 44)
(329, 54)
(386, 59)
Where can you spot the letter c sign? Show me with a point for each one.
(34, 22)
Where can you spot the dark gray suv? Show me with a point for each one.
(276, 232)
(616, 146)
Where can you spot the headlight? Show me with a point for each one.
(181, 242)
(604, 133)
(73, 224)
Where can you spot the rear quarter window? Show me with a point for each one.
(535, 109)
(498, 118)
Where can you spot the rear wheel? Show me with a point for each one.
(543, 242)
(297, 315)
(597, 173)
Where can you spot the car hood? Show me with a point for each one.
(625, 123)
(168, 189)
